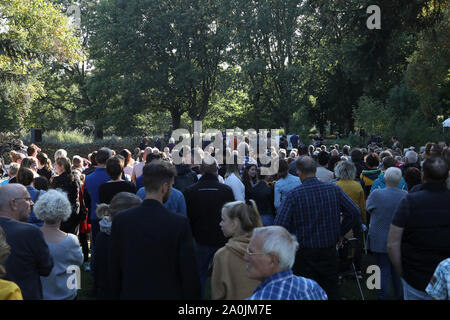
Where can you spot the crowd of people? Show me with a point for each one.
(148, 228)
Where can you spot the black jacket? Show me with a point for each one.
(152, 255)
(204, 202)
(263, 195)
(185, 177)
(29, 259)
(69, 184)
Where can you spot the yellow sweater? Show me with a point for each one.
(355, 192)
(9, 291)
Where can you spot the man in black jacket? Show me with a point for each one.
(419, 236)
(204, 202)
(152, 255)
(30, 258)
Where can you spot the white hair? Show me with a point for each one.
(345, 170)
(411, 156)
(393, 176)
(60, 153)
(52, 206)
(278, 240)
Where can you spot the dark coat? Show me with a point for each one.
(152, 255)
(69, 184)
(263, 195)
(204, 202)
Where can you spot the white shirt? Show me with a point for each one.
(237, 186)
(324, 174)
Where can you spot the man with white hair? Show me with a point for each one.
(411, 160)
(381, 205)
(30, 256)
(270, 257)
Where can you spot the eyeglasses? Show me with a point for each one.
(254, 253)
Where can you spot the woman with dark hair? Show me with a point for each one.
(249, 179)
(106, 191)
(44, 165)
(332, 162)
(25, 176)
(413, 177)
(368, 176)
(285, 183)
(263, 194)
(128, 162)
(69, 183)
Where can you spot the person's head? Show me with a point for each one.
(153, 156)
(25, 176)
(372, 160)
(413, 177)
(356, 155)
(77, 162)
(41, 183)
(283, 168)
(411, 157)
(16, 157)
(434, 170)
(233, 168)
(334, 153)
(13, 169)
(323, 158)
(384, 154)
(346, 150)
(93, 158)
(303, 150)
(251, 171)
(306, 167)
(388, 162)
(53, 207)
(158, 178)
(44, 161)
(271, 250)
(62, 165)
(60, 153)
(239, 218)
(5, 250)
(31, 151)
(120, 202)
(436, 150)
(345, 170)
(392, 177)
(102, 155)
(15, 202)
(332, 162)
(394, 139)
(29, 162)
(114, 167)
(209, 166)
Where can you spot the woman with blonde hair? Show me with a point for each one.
(106, 212)
(8, 290)
(229, 280)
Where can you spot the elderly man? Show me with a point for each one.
(419, 236)
(30, 257)
(313, 211)
(270, 257)
(382, 204)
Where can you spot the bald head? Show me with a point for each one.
(306, 165)
(9, 207)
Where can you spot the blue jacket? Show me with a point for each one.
(380, 184)
(93, 182)
(175, 203)
(35, 194)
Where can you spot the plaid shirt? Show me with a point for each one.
(312, 212)
(286, 286)
(439, 286)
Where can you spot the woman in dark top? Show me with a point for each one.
(114, 168)
(263, 194)
(45, 166)
(249, 179)
(69, 183)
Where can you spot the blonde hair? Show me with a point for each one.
(5, 249)
(246, 213)
(121, 201)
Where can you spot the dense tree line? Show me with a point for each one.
(151, 65)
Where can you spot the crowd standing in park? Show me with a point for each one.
(149, 228)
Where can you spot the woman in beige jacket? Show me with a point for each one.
(229, 280)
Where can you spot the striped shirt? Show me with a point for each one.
(312, 212)
(285, 285)
(439, 286)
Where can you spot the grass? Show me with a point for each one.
(349, 289)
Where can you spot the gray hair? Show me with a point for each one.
(278, 240)
(60, 153)
(393, 176)
(52, 206)
(345, 170)
(306, 164)
(411, 156)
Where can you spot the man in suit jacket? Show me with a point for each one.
(30, 257)
(152, 253)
